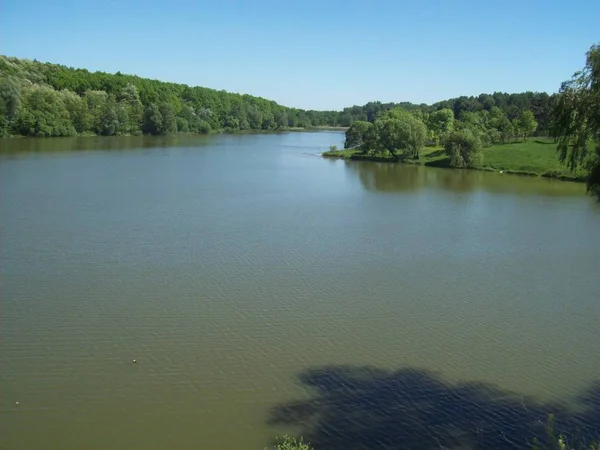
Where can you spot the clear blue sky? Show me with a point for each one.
(315, 54)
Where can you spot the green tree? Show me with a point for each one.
(527, 123)
(77, 109)
(169, 123)
(43, 113)
(153, 120)
(360, 135)
(576, 120)
(440, 123)
(463, 147)
(400, 130)
(10, 102)
(129, 97)
(500, 122)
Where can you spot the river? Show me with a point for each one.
(265, 290)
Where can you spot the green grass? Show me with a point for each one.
(535, 157)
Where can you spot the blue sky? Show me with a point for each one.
(315, 54)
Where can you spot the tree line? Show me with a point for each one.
(540, 104)
(44, 99)
(403, 133)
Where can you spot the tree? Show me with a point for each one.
(463, 147)
(576, 120)
(42, 113)
(153, 120)
(130, 98)
(77, 109)
(10, 102)
(401, 131)
(527, 123)
(440, 123)
(499, 122)
(169, 123)
(359, 135)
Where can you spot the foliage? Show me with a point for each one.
(401, 130)
(42, 99)
(292, 443)
(576, 120)
(360, 135)
(526, 123)
(440, 123)
(463, 147)
(532, 157)
(126, 107)
(511, 105)
(560, 441)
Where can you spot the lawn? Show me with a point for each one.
(537, 156)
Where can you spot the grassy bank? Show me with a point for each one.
(535, 157)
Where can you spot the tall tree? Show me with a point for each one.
(576, 120)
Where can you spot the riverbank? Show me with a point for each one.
(212, 132)
(535, 157)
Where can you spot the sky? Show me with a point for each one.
(315, 54)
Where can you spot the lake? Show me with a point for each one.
(264, 290)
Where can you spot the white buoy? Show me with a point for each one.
(134, 361)
(16, 403)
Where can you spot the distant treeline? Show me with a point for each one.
(43, 99)
(512, 105)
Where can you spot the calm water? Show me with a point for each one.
(253, 281)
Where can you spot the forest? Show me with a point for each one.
(44, 100)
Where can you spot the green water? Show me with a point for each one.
(232, 266)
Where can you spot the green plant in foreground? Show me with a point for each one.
(292, 443)
(560, 442)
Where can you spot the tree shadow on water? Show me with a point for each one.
(368, 408)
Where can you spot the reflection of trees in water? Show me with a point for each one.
(388, 177)
(52, 145)
(368, 408)
(393, 177)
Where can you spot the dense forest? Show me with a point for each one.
(43, 99)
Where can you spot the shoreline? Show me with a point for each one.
(212, 132)
(353, 155)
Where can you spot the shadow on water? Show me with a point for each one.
(389, 177)
(368, 408)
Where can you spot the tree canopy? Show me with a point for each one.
(43, 99)
(576, 120)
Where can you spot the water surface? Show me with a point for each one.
(233, 267)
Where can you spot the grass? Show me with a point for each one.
(534, 157)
